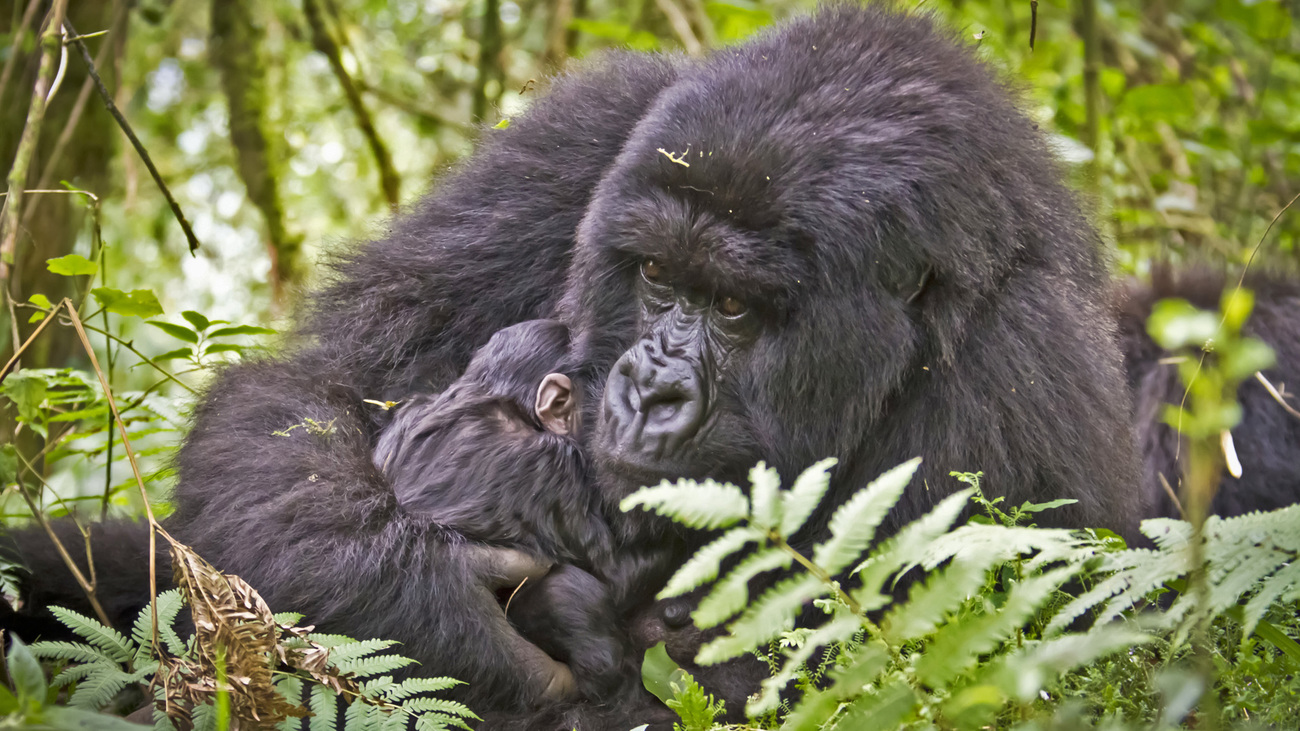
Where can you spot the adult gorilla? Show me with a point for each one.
(840, 239)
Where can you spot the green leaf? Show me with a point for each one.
(41, 301)
(174, 354)
(803, 497)
(1175, 323)
(75, 719)
(854, 524)
(772, 614)
(139, 303)
(503, 124)
(176, 331)
(1029, 507)
(883, 710)
(223, 332)
(196, 319)
(8, 464)
(27, 390)
(110, 641)
(694, 504)
(72, 265)
(764, 496)
(731, 594)
(658, 671)
(703, 566)
(224, 348)
(25, 673)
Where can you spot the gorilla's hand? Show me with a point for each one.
(570, 615)
(500, 571)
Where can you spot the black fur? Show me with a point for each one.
(1267, 440)
(919, 282)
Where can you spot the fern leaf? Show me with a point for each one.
(439, 705)
(70, 651)
(290, 688)
(958, 646)
(884, 710)
(330, 641)
(107, 639)
(863, 668)
(906, 548)
(854, 524)
(1137, 572)
(1283, 582)
(706, 505)
(764, 496)
(989, 545)
(839, 630)
(99, 688)
(1025, 672)
(289, 618)
(353, 649)
(772, 614)
(323, 704)
(414, 686)
(930, 603)
(703, 566)
(803, 497)
(365, 667)
(169, 606)
(731, 594)
(71, 674)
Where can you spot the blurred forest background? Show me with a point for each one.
(286, 128)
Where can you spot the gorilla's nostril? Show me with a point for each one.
(676, 615)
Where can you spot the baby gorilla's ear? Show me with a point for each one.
(555, 403)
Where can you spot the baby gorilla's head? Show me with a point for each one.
(495, 456)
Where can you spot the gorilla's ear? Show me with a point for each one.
(555, 403)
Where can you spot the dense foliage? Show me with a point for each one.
(283, 128)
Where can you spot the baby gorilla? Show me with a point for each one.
(495, 459)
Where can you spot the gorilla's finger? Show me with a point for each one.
(500, 568)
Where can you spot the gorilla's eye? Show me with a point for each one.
(652, 272)
(732, 307)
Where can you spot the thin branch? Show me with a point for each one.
(20, 32)
(135, 141)
(1277, 396)
(681, 26)
(51, 44)
(324, 42)
(1091, 84)
(118, 31)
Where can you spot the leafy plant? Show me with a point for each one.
(955, 651)
(324, 669)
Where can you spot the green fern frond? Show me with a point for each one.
(930, 603)
(352, 649)
(414, 686)
(99, 688)
(71, 652)
(323, 704)
(365, 667)
(703, 567)
(773, 613)
(704, 505)
(110, 641)
(764, 496)
(854, 524)
(804, 496)
(731, 594)
(169, 606)
(839, 630)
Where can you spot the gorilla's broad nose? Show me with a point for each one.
(653, 402)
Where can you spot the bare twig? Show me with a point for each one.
(1033, 22)
(20, 32)
(681, 26)
(51, 45)
(117, 32)
(324, 42)
(135, 141)
(708, 36)
(1172, 495)
(1277, 396)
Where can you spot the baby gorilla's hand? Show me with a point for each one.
(569, 614)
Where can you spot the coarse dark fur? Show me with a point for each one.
(912, 276)
(1268, 439)
(490, 460)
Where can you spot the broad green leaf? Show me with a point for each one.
(176, 331)
(41, 301)
(75, 719)
(24, 672)
(138, 303)
(72, 265)
(196, 319)
(27, 389)
(222, 332)
(804, 496)
(224, 348)
(1028, 507)
(174, 354)
(659, 671)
